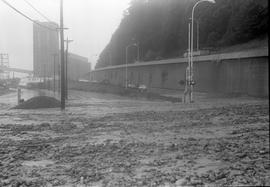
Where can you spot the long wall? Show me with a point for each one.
(239, 72)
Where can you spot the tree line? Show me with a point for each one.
(160, 28)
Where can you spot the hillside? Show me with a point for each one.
(161, 28)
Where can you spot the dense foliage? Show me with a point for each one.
(160, 27)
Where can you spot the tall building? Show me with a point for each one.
(45, 49)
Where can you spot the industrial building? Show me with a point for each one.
(45, 49)
(46, 54)
(78, 67)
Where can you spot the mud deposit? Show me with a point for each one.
(39, 102)
(218, 146)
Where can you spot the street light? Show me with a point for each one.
(138, 51)
(134, 44)
(191, 51)
(197, 32)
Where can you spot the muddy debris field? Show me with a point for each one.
(216, 146)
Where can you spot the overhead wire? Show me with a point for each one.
(41, 14)
(27, 17)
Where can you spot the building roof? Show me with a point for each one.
(78, 57)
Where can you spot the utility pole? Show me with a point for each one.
(63, 104)
(59, 74)
(54, 71)
(66, 85)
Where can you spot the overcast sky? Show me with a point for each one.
(91, 24)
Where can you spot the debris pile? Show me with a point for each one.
(39, 102)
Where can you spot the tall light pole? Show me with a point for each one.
(197, 33)
(66, 70)
(134, 44)
(192, 24)
(138, 51)
(188, 72)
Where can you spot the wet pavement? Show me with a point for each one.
(109, 140)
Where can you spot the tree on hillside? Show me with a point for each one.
(161, 27)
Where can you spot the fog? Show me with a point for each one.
(91, 24)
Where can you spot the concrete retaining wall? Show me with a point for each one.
(240, 73)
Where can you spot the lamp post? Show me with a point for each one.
(134, 44)
(138, 51)
(191, 51)
(197, 33)
(198, 41)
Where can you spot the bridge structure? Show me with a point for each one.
(5, 69)
(17, 70)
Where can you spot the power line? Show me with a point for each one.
(45, 17)
(27, 17)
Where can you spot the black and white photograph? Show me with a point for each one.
(134, 93)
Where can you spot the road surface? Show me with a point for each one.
(108, 140)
